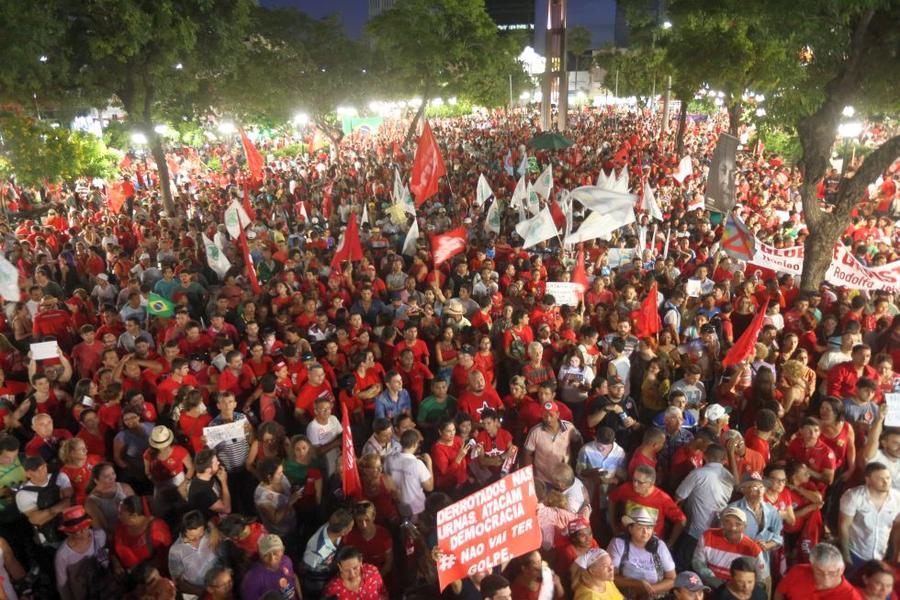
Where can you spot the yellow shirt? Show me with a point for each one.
(611, 593)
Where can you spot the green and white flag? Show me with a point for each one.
(159, 306)
(492, 219)
(483, 192)
(9, 281)
(215, 258)
(533, 166)
(533, 201)
(409, 244)
(537, 229)
(236, 218)
(544, 183)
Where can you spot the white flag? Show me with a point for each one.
(409, 244)
(537, 229)
(519, 198)
(544, 183)
(602, 180)
(621, 183)
(216, 260)
(642, 239)
(601, 225)
(599, 199)
(406, 201)
(236, 218)
(533, 202)
(492, 219)
(365, 213)
(566, 204)
(397, 194)
(523, 166)
(650, 203)
(483, 192)
(303, 212)
(9, 281)
(685, 168)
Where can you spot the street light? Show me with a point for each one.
(525, 96)
(301, 119)
(849, 130)
(451, 100)
(179, 66)
(760, 112)
(346, 111)
(848, 111)
(161, 129)
(138, 138)
(227, 127)
(43, 58)
(667, 24)
(437, 102)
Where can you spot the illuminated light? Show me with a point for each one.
(138, 138)
(667, 25)
(161, 129)
(760, 98)
(451, 100)
(851, 129)
(179, 66)
(346, 111)
(301, 118)
(760, 112)
(415, 103)
(524, 96)
(437, 102)
(43, 58)
(227, 127)
(848, 111)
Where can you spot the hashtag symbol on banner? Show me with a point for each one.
(446, 562)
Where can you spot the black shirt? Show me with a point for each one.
(202, 495)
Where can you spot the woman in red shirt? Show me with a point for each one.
(140, 536)
(450, 458)
(193, 418)
(356, 580)
(484, 360)
(77, 465)
(875, 581)
(258, 362)
(374, 541)
(167, 466)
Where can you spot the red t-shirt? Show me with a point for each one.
(307, 396)
(374, 551)
(133, 550)
(640, 459)
(162, 471)
(818, 458)
(447, 473)
(799, 584)
(473, 404)
(754, 442)
(658, 503)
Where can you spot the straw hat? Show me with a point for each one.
(161, 437)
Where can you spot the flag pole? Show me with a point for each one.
(666, 249)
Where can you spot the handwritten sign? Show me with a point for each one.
(892, 418)
(44, 350)
(495, 524)
(564, 292)
(224, 433)
(619, 256)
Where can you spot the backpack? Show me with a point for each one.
(652, 547)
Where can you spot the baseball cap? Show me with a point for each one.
(550, 406)
(690, 581)
(732, 511)
(578, 524)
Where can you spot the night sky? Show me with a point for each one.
(596, 15)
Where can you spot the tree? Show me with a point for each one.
(38, 152)
(813, 59)
(578, 41)
(441, 47)
(296, 63)
(156, 59)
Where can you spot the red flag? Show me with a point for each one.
(248, 208)
(428, 167)
(254, 159)
(326, 199)
(559, 217)
(125, 162)
(445, 246)
(350, 247)
(352, 484)
(744, 347)
(622, 155)
(647, 321)
(579, 275)
(248, 263)
(116, 196)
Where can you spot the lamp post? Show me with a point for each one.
(849, 130)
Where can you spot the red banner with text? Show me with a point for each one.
(495, 524)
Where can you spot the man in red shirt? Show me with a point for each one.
(46, 440)
(646, 453)
(822, 579)
(478, 397)
(87, 354)
(808, 449)
(412, 342)
(237, 377)
(842, 378)
(316, 386)
(165, 391)
(641, 492)
(415, 375)
(496, 444)
(53, 322)
(194, 340)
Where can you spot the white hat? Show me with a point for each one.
(714, 412)
(590, 557)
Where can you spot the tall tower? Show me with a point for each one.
(378, 6)
(556, 81)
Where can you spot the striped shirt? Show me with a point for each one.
(714, 555)
(232, 453)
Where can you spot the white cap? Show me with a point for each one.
(714, 412)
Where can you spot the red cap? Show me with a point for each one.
(550, 407)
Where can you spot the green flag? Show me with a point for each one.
(533, 166)
(159, 306)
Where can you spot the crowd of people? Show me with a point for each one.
(660, 473)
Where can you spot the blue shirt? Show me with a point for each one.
(385, 407)
(767, 531)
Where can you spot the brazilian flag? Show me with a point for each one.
(159, 306)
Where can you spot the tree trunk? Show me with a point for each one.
(817, 252)
(162, 168)
(415, 122)
(734, 118)
(682, 125)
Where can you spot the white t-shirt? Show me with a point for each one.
(26, 500)
(409, 473)
(892, 464)
(870, 528)
(640, 562)
(320, 434)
